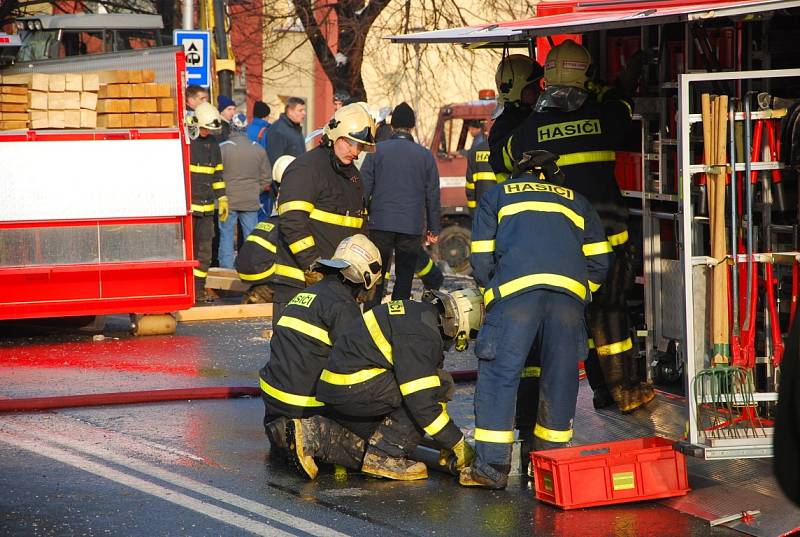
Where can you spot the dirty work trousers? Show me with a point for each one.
(504, 342)
(203, 235)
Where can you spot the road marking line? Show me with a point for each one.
(37, 447)
(179, 480)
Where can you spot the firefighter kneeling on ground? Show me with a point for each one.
(585, 124)
(537, 249)
(322, 201)
(302, 340)
(384, 381)
(255, 262)
(205, 165)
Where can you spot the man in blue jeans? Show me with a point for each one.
(539, 251)
(248, 174)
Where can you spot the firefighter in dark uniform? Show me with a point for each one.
(205, 165)
(384, 382)
(518, 79)
(302, 340)
(537, 285)
(480, 176)
(255, 261)
(585, 125)
(322, 201)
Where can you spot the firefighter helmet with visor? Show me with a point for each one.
(515, 73)
(353, 123)
(358, 259)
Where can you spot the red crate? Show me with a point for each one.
(609, 473)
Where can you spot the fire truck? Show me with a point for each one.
(97, 221)
(717, 109)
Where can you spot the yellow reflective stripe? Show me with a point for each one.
(305, 328)
(531, 372)
(469, 185)
(597, 248)
(591, 343)
(199, 273)
(387, 275)
(302, 244)
(619, 238)
(483, 176)
(342, 379)
(585, 157)
(336, 219)
(218, 185)
(438, 424)
(255, 277)
(407, 388)
(556, 280)
(377, 336)
(496, 437)
(264, 243)
(481, 289)
(196, 168)
(285, 207)
(501, 177)
(425, 270)
(482, 247)
(593, 287)
(540, 206)
(615, 348)
(202, 208)
(508, 160)
(551, 435)
(218, 167)
(471, 204)
(290, 398)
(290, 272)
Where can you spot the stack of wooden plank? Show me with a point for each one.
(49, 101)
(107, 99)
(132, 99)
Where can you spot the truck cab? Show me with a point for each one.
(449, 145)
(46, 37)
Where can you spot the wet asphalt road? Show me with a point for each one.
(200, 468)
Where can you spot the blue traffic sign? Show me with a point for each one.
(197, 44)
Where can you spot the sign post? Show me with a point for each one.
(197, 44)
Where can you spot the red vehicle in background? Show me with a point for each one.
(449, 145)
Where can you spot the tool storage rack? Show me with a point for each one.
(695, 341)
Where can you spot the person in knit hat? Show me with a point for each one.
(227, 109)
(257, 131)
(401, 186)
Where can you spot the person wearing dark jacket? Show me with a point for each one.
(480, 177)
(585, 125)
(303, 336)
(247, 173)
(787, 418)
(321, 201)
(258, 132)
(208, 185)
(536, 286)
(286, 134)
(384, 382)
(401, 188)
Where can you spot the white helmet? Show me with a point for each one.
(461, 314)
(358, 259)
(280, 166)
(208, 117)
(568, 64)
(352, 122)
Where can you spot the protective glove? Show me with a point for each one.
(223, 208)
(312, 277)
(464, 454)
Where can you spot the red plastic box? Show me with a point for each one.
(609, 473)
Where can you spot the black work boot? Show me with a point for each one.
(302, 443)
(525, 448)
(489, 476)
(602, 398)
(276, 433)
(379, 464)
(625, 394)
